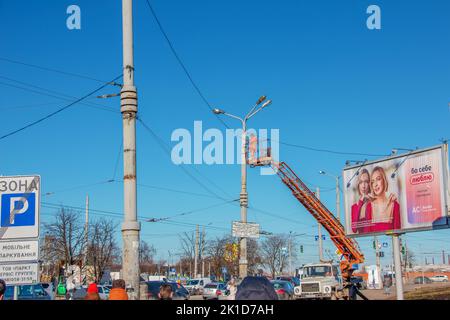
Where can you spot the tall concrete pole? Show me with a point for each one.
(397, 266)
(128, 99)
(86, 236)
(378, 262)
(319, 231)
(290, 256)
(243, 199)
(196, 252)
(338, 202)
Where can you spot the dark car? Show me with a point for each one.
(422, 280)
(293, 280)
(179, 292)
(284, 289)
(27, 292)
(78, 294)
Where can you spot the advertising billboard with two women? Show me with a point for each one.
(407, 192)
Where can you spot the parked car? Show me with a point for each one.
(195, 286)
(79, 293)
(439, 278)
(27, 292)
(293, 280)
(422, 280)
(103, 292)
(49, 288)
(179, 292)
(214, 290)
(284, 289)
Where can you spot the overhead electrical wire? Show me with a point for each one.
(57, 111)
(180, 62)
(55, 70)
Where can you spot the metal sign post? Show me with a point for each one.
(19, 230)
(397, 266)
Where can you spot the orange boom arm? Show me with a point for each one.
(347, 246)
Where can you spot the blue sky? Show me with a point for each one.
(334, 84)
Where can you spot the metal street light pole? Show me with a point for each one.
(128, 97)
(338, 203)
(243, 198)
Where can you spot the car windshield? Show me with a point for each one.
(317, 271)
(192, 282)
(211, 285)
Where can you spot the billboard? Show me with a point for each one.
(402, 193)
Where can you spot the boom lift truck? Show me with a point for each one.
(348, 247)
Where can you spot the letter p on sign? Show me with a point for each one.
(17, 210)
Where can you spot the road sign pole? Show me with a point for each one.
(397, 266)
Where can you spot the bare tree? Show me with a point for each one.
(187, 240)
(272, 253)
(147, 253)
(65, 238)
(102, 246)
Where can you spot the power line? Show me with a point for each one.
(329, 151)
(51, 93)
(191, 211)
(55, 70)
(57, 111)
(162, 144)
(78, 187)
(183, 66)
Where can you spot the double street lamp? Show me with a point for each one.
(338, 206)
(243, 199)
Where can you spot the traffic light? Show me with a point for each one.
(403, 250)
(374, 244)
(301, 248)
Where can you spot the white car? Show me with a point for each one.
(439, 278)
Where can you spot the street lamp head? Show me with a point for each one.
(266, 103)
(261, 99)
(218, 111)
(321, 172)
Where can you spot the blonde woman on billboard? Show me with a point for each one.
(362, 210)
(385, 209)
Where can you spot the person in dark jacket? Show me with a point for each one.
(256, 288)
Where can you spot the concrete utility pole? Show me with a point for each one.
(86, 235)
(443, 257)
(202, 252)
(243, 198)
(290, 256)
(128, 101)
(319, 231)
(377, 255)
(397, 266)
(196, 252)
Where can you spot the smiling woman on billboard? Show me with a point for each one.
(385, 210)
(362, 210)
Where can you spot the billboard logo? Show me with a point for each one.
(18, 210)
(422, 178)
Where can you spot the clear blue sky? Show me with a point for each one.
(334, 84)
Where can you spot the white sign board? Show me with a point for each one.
(19, 251)
(20, 274)
(19, 207)
(245, 230)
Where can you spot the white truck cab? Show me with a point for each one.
(319, 281)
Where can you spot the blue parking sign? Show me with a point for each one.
(18, 209)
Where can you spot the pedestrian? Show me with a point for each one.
(387, 283)
(92, 292)
(232, 288)
(256, 288)
(118, 291)
(165, 292)
(2, 289)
